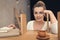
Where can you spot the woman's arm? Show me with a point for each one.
(53, 22)
(52, 17)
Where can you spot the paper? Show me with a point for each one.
(5, 29)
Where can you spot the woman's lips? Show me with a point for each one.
(39, 17)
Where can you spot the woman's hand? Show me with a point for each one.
(12, 26)
(48, 12)
(52, 16)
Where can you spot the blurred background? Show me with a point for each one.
(50, 5)
(7, 9)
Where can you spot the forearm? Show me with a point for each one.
(54, 23)
(52, 18)
(54, 28)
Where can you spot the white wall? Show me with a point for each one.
(7, 12)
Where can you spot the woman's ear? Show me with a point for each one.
(45, 18)
(44, 15)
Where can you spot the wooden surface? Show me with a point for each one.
(23, 21)
(30, 35)
(58, 15)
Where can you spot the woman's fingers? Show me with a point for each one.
(48, 11)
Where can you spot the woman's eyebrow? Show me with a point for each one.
(41, 12)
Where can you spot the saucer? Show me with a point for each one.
(43, 38)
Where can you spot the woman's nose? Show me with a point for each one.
(38, 15)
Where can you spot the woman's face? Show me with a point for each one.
(39, 13)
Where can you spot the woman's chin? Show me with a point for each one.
(38, 20)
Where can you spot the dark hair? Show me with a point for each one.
(40, 4)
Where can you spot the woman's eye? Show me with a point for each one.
(41, 12)
(35, 12)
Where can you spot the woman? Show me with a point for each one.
(39, 23)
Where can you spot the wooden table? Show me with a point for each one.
(30, 35)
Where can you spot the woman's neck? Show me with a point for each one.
(39, 22)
